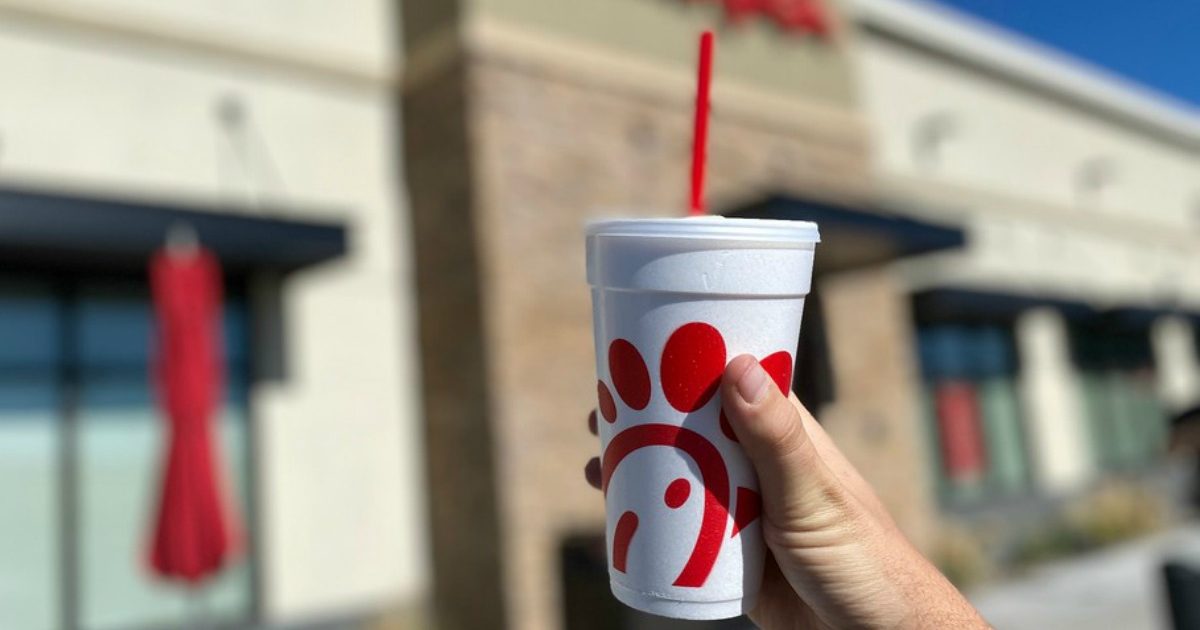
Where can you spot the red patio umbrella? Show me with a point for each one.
(194, 530)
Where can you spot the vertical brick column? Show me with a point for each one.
(874, 418)
(464, 507)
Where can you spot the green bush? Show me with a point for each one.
(1114, 513)
(959, 554)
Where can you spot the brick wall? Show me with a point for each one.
(875, 417)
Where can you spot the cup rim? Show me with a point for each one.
(707, 227)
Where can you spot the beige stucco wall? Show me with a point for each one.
(121, 98)
(358, 36)
(1009, 139)
(1009, 169)
(1174, 341)
(664, 32)
(1050, 393)
(1023, 247)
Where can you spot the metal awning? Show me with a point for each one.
(858, 236)
(39, 228)
(959, 304)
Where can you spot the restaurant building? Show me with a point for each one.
(1000, 314)
(267, 128)
(1056, 345)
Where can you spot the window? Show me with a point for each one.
(973, 412)
(29, 398)
(1116, 373)
(80, 448)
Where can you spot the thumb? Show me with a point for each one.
(796, 484)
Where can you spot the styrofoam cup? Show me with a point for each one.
(673, 301)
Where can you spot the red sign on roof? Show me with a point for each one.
(802, 16)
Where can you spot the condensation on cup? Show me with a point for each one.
(674, 300)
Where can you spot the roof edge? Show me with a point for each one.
(974, 42)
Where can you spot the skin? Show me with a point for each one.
(837, 559)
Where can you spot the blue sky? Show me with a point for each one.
(1153, 42)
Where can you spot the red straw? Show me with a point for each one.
(700, 131)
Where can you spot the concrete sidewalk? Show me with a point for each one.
(1119, 587)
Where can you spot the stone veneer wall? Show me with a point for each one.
(464, 510)
(875, 417)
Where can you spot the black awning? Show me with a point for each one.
(858, 236)
(956, 304)
(953, 304)
(39, 228)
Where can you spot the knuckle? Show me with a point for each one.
(788, 436)
(820, 507)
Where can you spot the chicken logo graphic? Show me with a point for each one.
(689, 372)
(799, 16)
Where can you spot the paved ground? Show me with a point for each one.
(1120, 587)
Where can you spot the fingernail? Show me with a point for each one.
(752, 384)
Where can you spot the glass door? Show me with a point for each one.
(30, 365)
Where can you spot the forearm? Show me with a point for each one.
(932, 601)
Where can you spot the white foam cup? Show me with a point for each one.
(674, 300)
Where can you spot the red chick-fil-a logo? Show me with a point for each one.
(690, 371)
(801, 16)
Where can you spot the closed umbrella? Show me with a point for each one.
(193, 533)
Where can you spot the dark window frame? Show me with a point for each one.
(1108, 346)
(928, 317)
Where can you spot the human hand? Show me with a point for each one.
(837, 559)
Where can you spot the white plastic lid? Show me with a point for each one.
(702, 255)
(775, 231)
